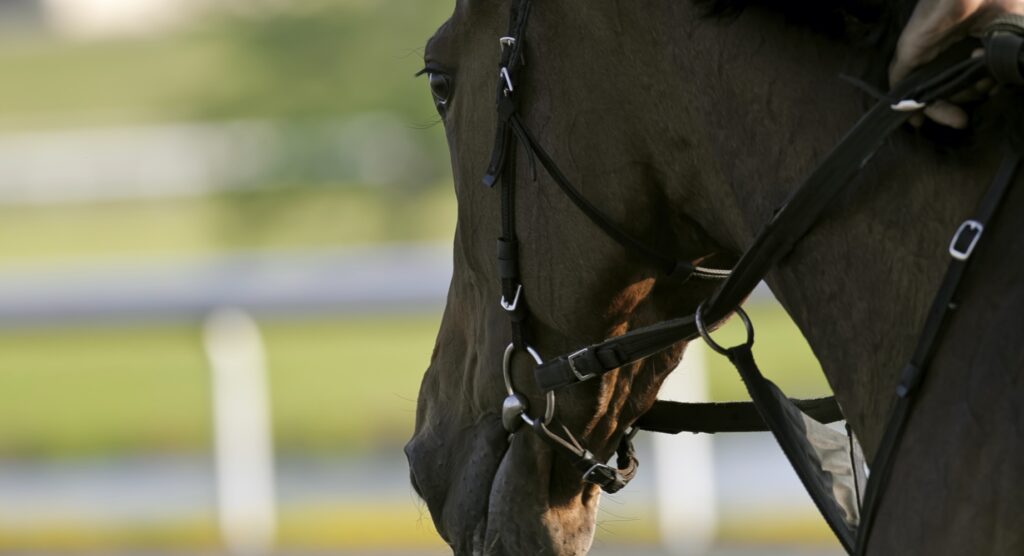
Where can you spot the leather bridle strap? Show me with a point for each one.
(512, 298)
(714, 417)
(797, 216)
(670, 267)
(961, 247)
(510, 132)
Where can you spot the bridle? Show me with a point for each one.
(769, 409)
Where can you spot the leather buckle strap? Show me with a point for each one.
(606, 477)
(572, 366)
(578, 366)
(612, 479)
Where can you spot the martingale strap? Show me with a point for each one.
(961, 247)
(811, 449)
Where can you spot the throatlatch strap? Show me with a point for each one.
(669, 266)
(961, 247)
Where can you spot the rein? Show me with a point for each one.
(796, 424)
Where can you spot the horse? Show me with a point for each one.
(688, 123)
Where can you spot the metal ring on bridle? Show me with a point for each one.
(506, 373)
(698, 319)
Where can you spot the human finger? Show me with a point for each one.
(947, 114)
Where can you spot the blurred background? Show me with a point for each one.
(225, 232)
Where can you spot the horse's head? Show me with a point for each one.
(618, 128)
(686, 135)
(631, 103)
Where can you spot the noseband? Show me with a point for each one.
(770, 409)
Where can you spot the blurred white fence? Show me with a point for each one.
(194, 158)
(243, 443)
(405, 278)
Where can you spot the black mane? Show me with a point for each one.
(833, 17)
(829, 16)
(869, 24)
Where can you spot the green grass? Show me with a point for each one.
(337, 384)
(290, 218)
(95, 391)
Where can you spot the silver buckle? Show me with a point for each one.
(600, 474)
(969, 226)
(572, 365)
(515, 300)
(506, 42)
(503, 73)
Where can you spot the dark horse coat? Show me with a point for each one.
(688, 130)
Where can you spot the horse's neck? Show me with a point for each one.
(860, 283)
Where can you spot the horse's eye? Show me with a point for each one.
(441, 88)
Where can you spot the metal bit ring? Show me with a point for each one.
(506, 373)
(698, 319)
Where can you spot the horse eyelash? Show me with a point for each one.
(429, 68)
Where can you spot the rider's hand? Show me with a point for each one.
(933, 27)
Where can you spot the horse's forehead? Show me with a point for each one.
(468, 17)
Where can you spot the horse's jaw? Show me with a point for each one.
(490, 494)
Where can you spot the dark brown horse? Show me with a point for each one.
(688, 130)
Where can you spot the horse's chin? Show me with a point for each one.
(492, 497)
(530, 511)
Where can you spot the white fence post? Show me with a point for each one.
(242, 437)
(684, 467)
